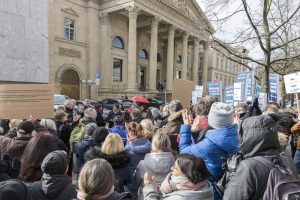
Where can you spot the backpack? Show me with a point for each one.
(77, 134)
(10, 166)
(282, 184)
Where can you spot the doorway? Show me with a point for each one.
(70, 84)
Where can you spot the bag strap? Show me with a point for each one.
(264, 161)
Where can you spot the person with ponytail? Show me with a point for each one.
(188, 180)
(137, 147)
(96, 182)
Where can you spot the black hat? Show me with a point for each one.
(14, 189)
(55, 162)
(25, 127)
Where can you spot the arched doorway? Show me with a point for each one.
(70, 84)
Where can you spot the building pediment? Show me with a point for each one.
(70, 11)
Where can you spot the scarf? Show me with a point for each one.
(174, 183)
(84, 196)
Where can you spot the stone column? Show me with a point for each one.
(205, 68)
(132, 48)
(105, 56)
(196, 61)
(153, 54)
(170, 58)
(185, 38)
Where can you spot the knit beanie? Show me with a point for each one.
(55, 162)
(14, 189)
(220, 115)
(90, 128)
(91, 113)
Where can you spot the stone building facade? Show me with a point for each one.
(24, 55)
(110, 48)
(221, 68)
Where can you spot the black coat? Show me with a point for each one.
(259, 138)
(63, 132)
(58, 187)
(120, 164)
(99, 120)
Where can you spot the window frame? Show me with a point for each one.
(120, 78)
(65, 28)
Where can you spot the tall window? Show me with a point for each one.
(143, 54)
(217, 62)
(117, 42)
(158, 58)
(201, 61)
(178, 59)
(69, 29)
(117, 69)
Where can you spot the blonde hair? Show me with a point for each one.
(48, 124)
(113, 144)
(161, 143)
(148, 128)
(96, 178)
(14, 123)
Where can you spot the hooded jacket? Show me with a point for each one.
(216, 143)
(120, 164)
(156, 164)
(136, 149)
(13, 147)
(58, 187)
(14, 189)
(172, 128)
(259, 138)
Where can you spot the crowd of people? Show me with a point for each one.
(211, 151)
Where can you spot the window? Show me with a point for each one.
(178, 74)
(143, 54)
(221, 64)
(69, 29)
(117, 69)
(201, 61)
(118, 43)
(178, 59)
(158, 58)
(217, 62)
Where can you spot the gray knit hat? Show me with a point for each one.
(220, 115)
(90, 128)
(90, 112)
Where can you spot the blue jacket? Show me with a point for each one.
(217, 143)
(119, 130)
(137, 150)
(80, 149)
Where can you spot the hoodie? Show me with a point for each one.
(58, 187)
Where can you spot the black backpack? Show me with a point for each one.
(10, 166)
(282, 184)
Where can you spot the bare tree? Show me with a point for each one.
(269, 26)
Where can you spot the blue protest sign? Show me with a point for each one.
(247, 79)
(274, 95)
(229, 95)
(98, 75)
(215, 89)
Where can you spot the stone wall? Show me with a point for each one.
(24, 41)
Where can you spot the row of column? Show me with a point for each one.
(132, 52)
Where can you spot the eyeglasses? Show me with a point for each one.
(174, 167)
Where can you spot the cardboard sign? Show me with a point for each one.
(292, 83)
(182, 90)
(19, 101)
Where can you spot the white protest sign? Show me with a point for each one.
(237, 94)
(292, 83)
(194, 97)
(199, 90)
(262, 100)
